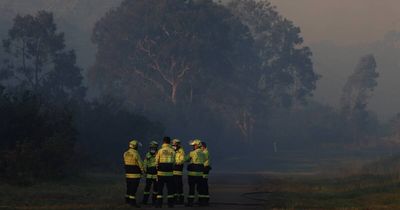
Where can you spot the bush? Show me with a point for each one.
(37, 138)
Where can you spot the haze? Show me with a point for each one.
(341, 31)
(342, 21)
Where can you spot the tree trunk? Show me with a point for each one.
(173, 93)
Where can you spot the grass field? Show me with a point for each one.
(356, 192)
(271, 192)
(312, 188)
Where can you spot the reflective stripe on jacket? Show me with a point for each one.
(150, 166)
(196, 160)
(165, 160)
(133, 164)
(207, 166)
(179, 161)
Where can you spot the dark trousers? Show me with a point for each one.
(206, 192)
(179, 197)
(196, 183)
(131, 189)
(169, 182)
(150, 182)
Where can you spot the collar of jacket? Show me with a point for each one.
(166, 145)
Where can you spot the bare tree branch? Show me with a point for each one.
(156, 83)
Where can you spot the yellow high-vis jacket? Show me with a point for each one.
(196, 160)
(179, 161)
(207, 156)
(207, 165)
(133, 164)
(165, 160)
(150, 166)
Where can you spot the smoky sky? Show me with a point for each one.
(353, 28)
(342, 21)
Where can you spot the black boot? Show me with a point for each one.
(154, 199)
(207, 201)
(159, 202)
(190, 202)
(171, 202)
(201, 201)
(145, 199)
(181, 199)
(133, 203)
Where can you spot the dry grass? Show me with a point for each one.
(99, 191)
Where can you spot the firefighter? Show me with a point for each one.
(207, 168)
(178, 170)
(133, 172)
(195, 169)
(165, 160)
(151, 173)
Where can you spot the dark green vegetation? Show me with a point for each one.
(47, 126)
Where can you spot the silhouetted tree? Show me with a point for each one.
(359, 86)
(37, 59)
(180, 44)
(287, 73)
(356, 93)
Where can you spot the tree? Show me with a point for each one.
(193, 55)
(359, 86)
(37, 58)
(356, 92)
(287, 73)
(179, 46)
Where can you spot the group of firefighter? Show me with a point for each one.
(164, 167)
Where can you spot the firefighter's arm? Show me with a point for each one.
(174, 156)
(145, 163)
(207, 163)
(157, 159)
(188, 157)
(182, 157)
(140, 162)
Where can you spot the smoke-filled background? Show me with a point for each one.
(278, 80)
(291, 96)
(338, 32)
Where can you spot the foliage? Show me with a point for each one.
(172, 58)
(38, 61)
(359, 86)
(199, 55)
(287, 73)
(37, 138)
(46, 125)
(105, 130)
(356, 93)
